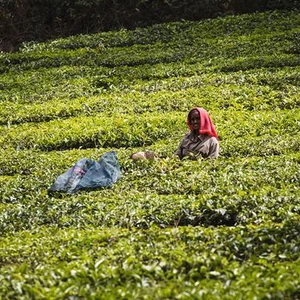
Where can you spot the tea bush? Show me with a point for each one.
(169, 229)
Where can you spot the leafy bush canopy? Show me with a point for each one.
(34, 20)
(225, 228)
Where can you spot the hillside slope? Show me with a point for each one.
(211, 229)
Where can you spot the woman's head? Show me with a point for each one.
(194, 120)
(200, 122)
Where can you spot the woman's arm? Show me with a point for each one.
(214, 148)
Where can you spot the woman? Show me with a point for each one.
(202, 140)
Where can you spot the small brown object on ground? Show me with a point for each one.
(150, 155)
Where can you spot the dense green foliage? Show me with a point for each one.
(169, 229)
(36, 20)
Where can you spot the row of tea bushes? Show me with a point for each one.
(87, 132)
(145, 129)
(244, 53)
(86, 85)
(245, 25)
(243, 91)
(246, 261)
(167, 192)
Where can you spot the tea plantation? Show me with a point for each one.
(169, 229)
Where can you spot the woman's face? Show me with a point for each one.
(195, 120)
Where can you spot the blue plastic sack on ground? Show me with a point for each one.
(89, 174)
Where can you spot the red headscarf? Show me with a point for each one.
(206, 125)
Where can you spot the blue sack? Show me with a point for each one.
(89, 174)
